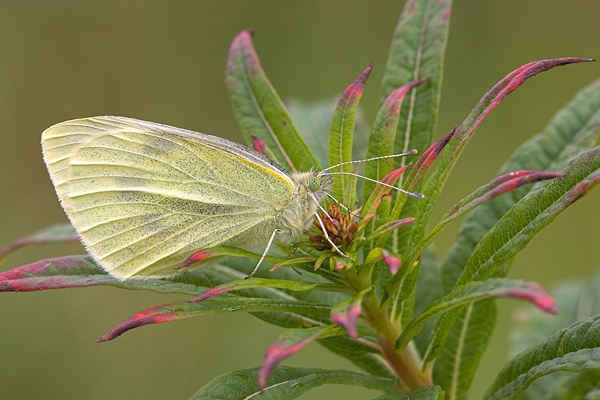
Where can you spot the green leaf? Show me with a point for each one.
(500, 185)
(341, 138)
(473, 291)
(427, 291)
(383, 135)
(288, 344)
(461, 353)
(82, 271)
(403, 303)
(518, 226)
(570, 132)
(532, 213)
(259, 110)
(380, 195)
(361, 353)
(346, 313)
(567, 385)
(427, 393)
(313, 119)
(52, 234)
(267, 283)
(576, 300)
(417, 52)
(574, 349)
(449, 156)
(392, 396)
(299, 314)
(284, 383)
(218, 253)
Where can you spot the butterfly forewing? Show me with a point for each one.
(145, 196)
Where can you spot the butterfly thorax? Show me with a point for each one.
(312, 187)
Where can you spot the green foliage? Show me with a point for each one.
(415, 324)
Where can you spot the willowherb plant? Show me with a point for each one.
(415, 324)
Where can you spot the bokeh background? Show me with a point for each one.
(164, 61)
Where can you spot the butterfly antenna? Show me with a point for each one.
(413, 194)
(408, 153)
(276, 231)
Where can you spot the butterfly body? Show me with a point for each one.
(144, 196)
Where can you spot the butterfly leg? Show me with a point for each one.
(327, 236)
(276, 231)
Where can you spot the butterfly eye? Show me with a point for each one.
(314, 183)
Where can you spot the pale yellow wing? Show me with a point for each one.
(145, 196)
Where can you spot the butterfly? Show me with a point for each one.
(143, 196)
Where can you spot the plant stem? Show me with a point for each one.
(401, 361)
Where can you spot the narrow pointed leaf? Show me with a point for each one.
(389, 227)
(341, 138)
(428, 393)
(531, 328)
(392, 396)
(347, 312)
(260, 111)
(347, 319)
(414, 177)
(574, 349)
(362, 353)
(577, 300)
(462, 351)
(289, 343)
(80, 271)
(408, 238)
(383, 135)
(417, 51)
(375, 197)
(501, 185)
(214, 254)
(313, 119)
(404, 296)
(308, 313)
(517, 227)
(473, 291)
(53, 234)
(285, 383)
(265, 283)
(570, 132)
(428, 290)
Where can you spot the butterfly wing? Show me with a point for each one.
(143, 196)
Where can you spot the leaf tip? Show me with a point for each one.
(276, 353)
(211, 293)
(393, 263)
(146, 317)
(195, 257)
(533, 292)
(347, 319)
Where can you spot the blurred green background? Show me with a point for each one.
(164, 61)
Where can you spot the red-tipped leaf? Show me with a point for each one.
(341, 138)
(260, 111)
(53, 234)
